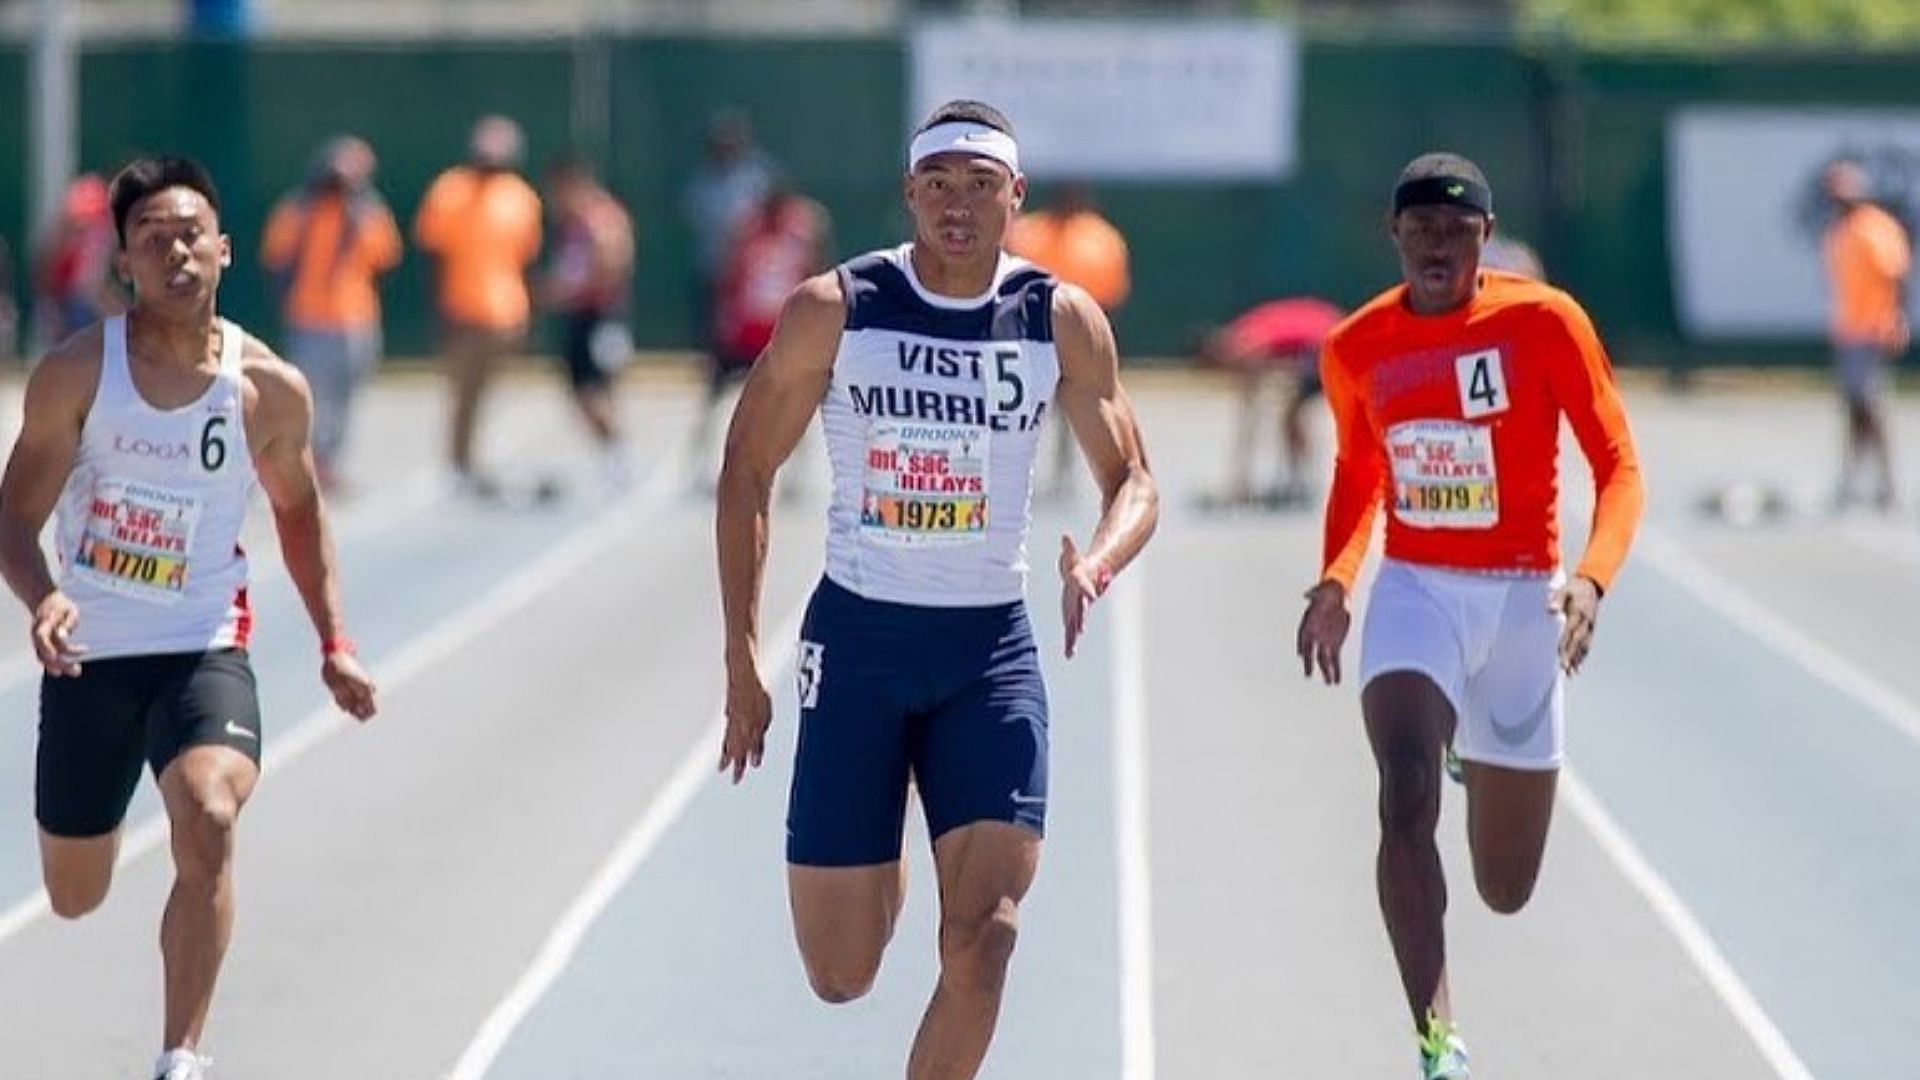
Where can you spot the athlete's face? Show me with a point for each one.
(174, 250)
(962, 204)
(1440, 253)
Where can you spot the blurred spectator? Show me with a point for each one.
(733, 178)
(1071, 241)
(778, 244)
(73, 280)
(480, 223)
(9, 310)
(587, 284)
(1513, 255)
(1277, 342)
(1868, 256)
(326, 246)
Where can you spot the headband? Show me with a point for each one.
(1444, 191)
(964, 137)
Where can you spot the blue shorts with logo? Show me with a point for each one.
(949, 698)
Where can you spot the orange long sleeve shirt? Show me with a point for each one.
(1454, 421)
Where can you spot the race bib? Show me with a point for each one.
(926, 484)
(136, 540)
(1443, 475)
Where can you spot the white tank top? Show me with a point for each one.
(932, 421)
(148, 526)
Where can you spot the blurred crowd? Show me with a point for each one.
(508, 247)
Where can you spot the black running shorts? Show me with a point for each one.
(97, 727)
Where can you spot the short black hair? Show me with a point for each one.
(146, 176)
(1442, 163)
(964, 110)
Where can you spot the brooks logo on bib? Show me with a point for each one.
(1443, 475)
(926, 484)
(136, 540)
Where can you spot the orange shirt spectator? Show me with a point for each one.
(1868, 256)
(1075, 244)
(332, 248)
(484, 228)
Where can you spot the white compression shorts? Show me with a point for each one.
(1491, 645)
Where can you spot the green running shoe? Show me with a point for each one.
(1443, 1056)
(1451, 761)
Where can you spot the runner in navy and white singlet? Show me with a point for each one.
(146, 435)
(935, 366)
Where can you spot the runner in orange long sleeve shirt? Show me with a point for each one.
(1447, 393)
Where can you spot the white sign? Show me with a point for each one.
(1211, 99)
(1745, 210)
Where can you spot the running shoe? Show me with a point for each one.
(1443, 1056)
(1456, 770)
(182, 1064)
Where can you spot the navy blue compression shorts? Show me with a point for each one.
(949, 698)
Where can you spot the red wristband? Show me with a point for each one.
(334, 646)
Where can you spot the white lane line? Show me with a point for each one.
(1686, 929)
(1131, 836)
(695, 771)
(1740, 608)
(443, 639)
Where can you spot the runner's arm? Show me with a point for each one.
(781, 393)
(283, 459)
(1359, 476)
(58, 395)
(1096, 405)
(1583, 382)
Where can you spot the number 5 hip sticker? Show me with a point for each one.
(1483, 384)
(808, 671)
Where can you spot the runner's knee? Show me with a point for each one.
(974, 952)
(837, 980)
(203, 833)
(1409, 792)
(1505, 893)
(72, 899)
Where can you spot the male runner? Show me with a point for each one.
(146, 433)
(934, 366)
(1447, 393)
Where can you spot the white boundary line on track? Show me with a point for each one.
(1138, 1054)
(1686, 929)
(1738, 607)
(694, 772)
(445, 638)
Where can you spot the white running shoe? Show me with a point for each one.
(182, 1064)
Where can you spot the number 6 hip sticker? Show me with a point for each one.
(1483, 384)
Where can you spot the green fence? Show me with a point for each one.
(1574, 143)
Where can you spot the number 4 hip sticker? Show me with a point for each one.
(812, 656)
(1483, 384)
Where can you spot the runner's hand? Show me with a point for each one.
(1081, 583)
(1323, 630)
(53, 623)
(1578, 601)
(352, 688)
(749, 714)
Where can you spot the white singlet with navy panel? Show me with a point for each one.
(932, 421)
(148, 525)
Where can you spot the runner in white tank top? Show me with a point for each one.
(149, 523)
(148, 434)
(935, 366)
